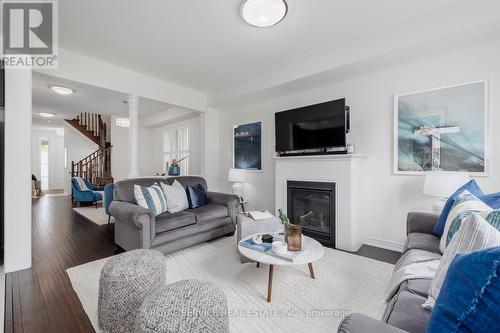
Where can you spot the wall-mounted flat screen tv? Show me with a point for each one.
(315, 127)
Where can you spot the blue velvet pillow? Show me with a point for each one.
(472, 187)
(197, 196)
(492, 200)
(469, 300)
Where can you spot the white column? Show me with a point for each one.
(17, 185)
(133, 136)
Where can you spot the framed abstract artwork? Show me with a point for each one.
(442, 129)
(247, 146)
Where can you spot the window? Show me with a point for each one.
(44, 163)
(176, 146)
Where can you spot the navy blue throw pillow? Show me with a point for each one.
(472, 187)
(469, 298)
(197, 196)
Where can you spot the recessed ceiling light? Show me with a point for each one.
(263, 13)
(46, 114)
(62, 90)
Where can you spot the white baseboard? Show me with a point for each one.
(383, 244)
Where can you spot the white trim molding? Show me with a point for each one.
(383, 244)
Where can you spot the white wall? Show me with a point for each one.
(78, 147)
(119, 152)
(17, 169)
(369, 91)
(194, 145)
(57, 172)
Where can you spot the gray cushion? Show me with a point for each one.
(171, 221)
(124, 189)
(422, 241)
(209, 212)
(360, 323)
(407, 313)
(189, 230)
(419, 286)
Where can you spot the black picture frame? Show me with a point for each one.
(247, 146)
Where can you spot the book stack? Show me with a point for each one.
(248, 243)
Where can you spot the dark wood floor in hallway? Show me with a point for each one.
(41, 299)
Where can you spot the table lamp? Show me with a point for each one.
(442, 184)
(237, 177)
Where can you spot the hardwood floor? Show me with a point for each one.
(41, 299)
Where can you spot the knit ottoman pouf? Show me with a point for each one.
(188, 306)
(126, 281)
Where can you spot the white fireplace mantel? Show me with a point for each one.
(344, 171)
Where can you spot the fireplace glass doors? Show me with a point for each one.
(312, 205)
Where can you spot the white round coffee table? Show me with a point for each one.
(313, 252)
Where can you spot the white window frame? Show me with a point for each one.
(175, 149)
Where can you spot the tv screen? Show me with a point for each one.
(312, 127)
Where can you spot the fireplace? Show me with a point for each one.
(312, 205)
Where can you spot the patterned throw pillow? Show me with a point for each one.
(151, 198)
(465, 205)
(176, 197)
(474, 234)
(468, 300)
(82, 184)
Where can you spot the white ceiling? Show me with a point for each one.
(205, 45)
(87, 98)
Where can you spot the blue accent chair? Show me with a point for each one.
(92, 195)
(109, 191)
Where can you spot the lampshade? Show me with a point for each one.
(442, 184)
(237, 175)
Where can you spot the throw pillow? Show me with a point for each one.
(81, 183)
(464, 206)
(176, 197)
(474, 234)
(492, 200)
(468, 300)
(197, 196)
(151, 198)
(472, 187)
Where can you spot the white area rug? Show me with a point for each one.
(344, 283)
(98, 216)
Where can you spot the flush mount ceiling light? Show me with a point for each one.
(47, 114)
(263, 13)
(62, 90)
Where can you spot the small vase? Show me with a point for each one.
(293, 237)
(174, 170)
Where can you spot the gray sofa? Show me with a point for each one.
(137, 228)
(404, 311)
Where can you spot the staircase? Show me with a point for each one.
(95, 167)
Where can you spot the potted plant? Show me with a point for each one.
(293, 232)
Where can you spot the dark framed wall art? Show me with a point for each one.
(247, 146)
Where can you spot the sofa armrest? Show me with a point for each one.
(127, 212)
(231, 201)
(359, 323)
(421, 222)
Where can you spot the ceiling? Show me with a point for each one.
(205, 45)
(86, 99)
